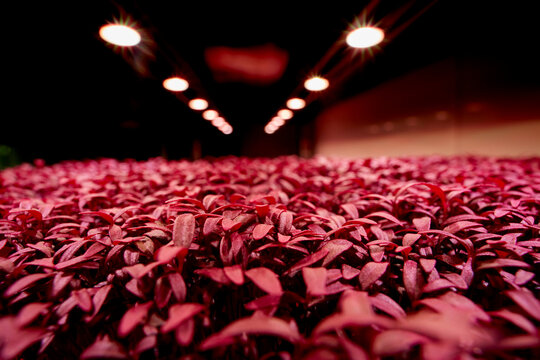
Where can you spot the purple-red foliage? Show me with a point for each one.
(433, 258)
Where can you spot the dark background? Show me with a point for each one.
(72, 96)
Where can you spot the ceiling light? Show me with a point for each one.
(210, 115)
(296, 103)
(285, 114)
(198, 104)
(226, 129)
(365, 37)
(270, 128)
(316, 83)
(219, 121)
(175, 84)
(120, 35)
(276, 120)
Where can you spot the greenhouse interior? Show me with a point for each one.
(270, 180)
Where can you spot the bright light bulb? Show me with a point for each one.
(198, 104)
(120, 35)
(270, 128)
(365, 37)
(175, 84)
(219, 121)
(316, 83)
(296, 103)
(226, 129)
(210, 115)
(285, 114)
(276, 120)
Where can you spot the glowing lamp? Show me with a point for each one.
(175, 84)
(198, 104)
(316, 83)
(226, 129)
(365, 37)
(120, 35)
(218, 122)
(270, 128)
(296, 103)
(285, 114)
(210, 115)
(277, 121)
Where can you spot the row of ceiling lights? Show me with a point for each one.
(360, 38)
(177, 84)
(126, 36)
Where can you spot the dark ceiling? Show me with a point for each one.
(72, 96)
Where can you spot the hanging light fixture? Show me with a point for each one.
(285, 114)
(198, 104)
(365, 37)
(226, 128)
(120, 35)
(276, 120)
(210, 115)
(270, 128)
(316, 83)
(219, 121)
(296, 103)
(175, 84)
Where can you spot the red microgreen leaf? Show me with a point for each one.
(184, 230)
(265, 279)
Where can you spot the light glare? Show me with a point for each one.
(296, 103)
(120, 35)
(365, 37)
(316, 83)
(285, 114)
(210, 115)
(175, 84)
(198, 104)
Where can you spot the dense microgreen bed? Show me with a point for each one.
(287, 258)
